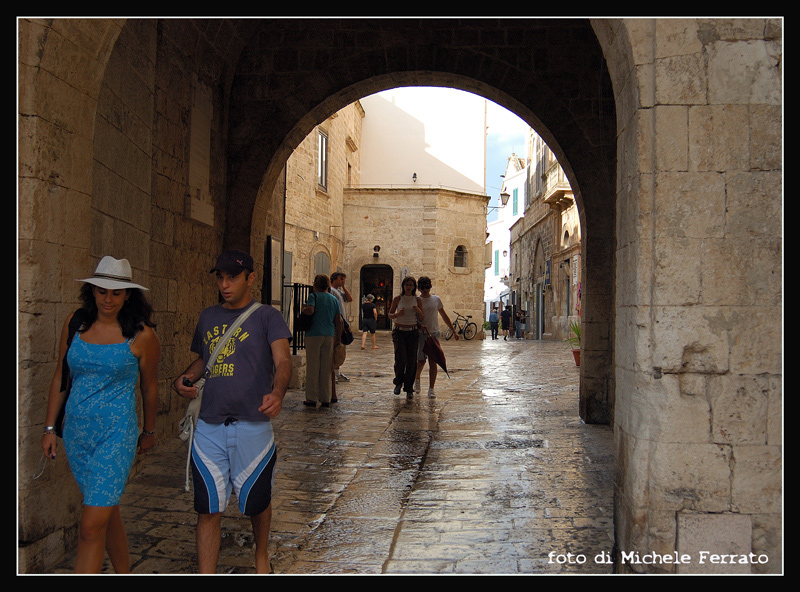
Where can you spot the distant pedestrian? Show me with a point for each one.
(342, 294)
(520, 324)
(505, 319)
(323, 335)
(369, 320)
(406, 311)
(494, 322)
(432, 309)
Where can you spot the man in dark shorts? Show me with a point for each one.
(505, 321)
(369, 320)
(245, 388)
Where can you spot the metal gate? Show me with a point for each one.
(297, 297)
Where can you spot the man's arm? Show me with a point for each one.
(272, 402)
(338, 324)
(448, 322)
(346, 293)
(194, 373)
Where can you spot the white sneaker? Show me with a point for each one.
(431, 394)
(416, 386)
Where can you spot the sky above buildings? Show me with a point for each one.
(507, 134)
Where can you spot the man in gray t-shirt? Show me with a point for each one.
(233, 448)
(243, 373)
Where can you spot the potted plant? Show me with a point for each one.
(575, 341)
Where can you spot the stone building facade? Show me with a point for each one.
(416, 231)
(499, 286)
(546, 249)
(668, 130)
(335, 223)
(317, 174)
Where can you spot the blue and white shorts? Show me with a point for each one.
(233, 456)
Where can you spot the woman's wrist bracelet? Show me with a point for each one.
(49, 430)
(146, 433)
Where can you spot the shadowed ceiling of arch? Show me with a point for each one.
(294, 73)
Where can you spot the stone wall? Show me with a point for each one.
(314, 219)
(419, 229)
(105, 144)
(699, 315)
(682, 262)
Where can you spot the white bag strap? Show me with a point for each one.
(228, 334)
(220, 345)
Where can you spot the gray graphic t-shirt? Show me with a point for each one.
(242, 374)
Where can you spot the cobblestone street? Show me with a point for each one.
(494, 475)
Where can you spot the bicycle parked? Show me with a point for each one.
(463, 326)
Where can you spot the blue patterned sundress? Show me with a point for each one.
(100, 427)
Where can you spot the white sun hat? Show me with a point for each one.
(113, 274)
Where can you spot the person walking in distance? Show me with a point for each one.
(369, 320)
(234, 446)
(520, 324)
(342, 294)
(494, 322)
(324, 334)
(406, 311)
(505, 318)
(432, 309)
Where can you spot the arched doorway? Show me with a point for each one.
(565, 94)
(377, 280)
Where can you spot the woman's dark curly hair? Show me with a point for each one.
(135, 314)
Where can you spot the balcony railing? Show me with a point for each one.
(557, 191)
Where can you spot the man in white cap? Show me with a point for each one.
(245, 388)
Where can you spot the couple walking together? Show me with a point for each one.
(114, 347)
(415, 317)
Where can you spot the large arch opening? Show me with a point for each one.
(551, 73)
(273, 78)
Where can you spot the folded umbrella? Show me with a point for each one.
(433, 349)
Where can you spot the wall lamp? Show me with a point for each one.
(503, 201)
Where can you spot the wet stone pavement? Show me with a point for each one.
(495, 475)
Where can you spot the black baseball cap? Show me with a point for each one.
(233, 262)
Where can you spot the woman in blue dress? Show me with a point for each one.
(114, 348)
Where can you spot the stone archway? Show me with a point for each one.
(551, 73)
(682, 161)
